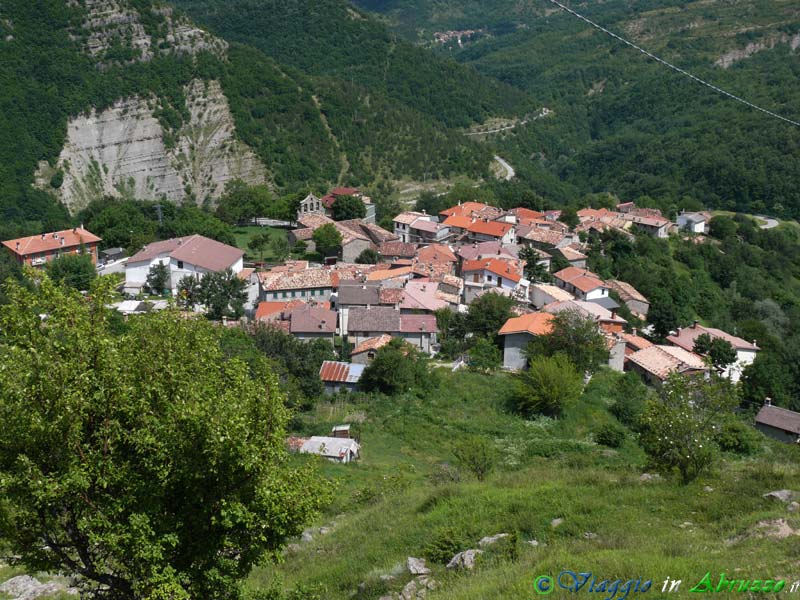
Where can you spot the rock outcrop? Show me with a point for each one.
(733, 56)
(25, 587)
(113, 31)
(124, 151)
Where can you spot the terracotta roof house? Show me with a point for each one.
(458, 223)
(495, 271)
(539, 237)
(517, 334)
(366, 351)
(634, 342)
(418, 330)
(316, 283)
(193, 255)
(745, 351)
(526, 213)
(636, 302)
(413, 226)
(487, 231)
(583, 284)
(779, 423)
(491, 249)
(651, 225)
(607, 320)
(37, 250)
(573, 256)
(275, 311)
(656, 363)
(438, 253)
(467, 209)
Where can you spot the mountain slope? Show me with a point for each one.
(129, 98)
(625, 124)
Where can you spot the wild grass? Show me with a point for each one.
(395, 502)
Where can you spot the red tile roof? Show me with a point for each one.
(458, 221)
(571, 273)
(537, 323)
(47, 242)
(272, 310)
(526, 213)
(465, 208)
(493, 265)
(586, 284)
(663, 360)
(313, 319)
(397, 249)
(372, 344)
(438, 253)
(492, 228)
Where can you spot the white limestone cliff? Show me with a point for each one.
(123, 151)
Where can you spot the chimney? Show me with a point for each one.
(17, 245)
(695, 324)
(613, 313)
(634, 331)
(74, 230)
(43, 235)
(767, 401)
(679, 331)
(62, 241)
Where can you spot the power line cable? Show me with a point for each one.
(719, 90)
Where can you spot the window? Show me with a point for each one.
(371, 355)
(292, 294)
(284, 295)
(180, 264)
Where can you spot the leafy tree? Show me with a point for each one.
(610, 435)
(722, 227)
(719, 351)
(280, 248)
(679, 429)
(569, 216)
(158, 278)
(398, 367)
(328, 240)
(74, 270)
(141, 463)
(241, 203)
(484, 356)
(550, 386)
(452, 332)
(9, 269)
(477, 455)
(189, 292)
(576, 337)
(368, 257)
(259, 243)
(348, 207)
(223, 294)
(535, 272)
(488, 314)
(296, 363)
(663, 315)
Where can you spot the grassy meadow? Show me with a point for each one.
(406, 497)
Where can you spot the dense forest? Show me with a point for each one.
(623, 123)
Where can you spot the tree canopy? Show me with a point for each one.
(143, 463)
(328, 240)
(348, 207)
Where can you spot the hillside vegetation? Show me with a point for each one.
(408, 497)
(625, 124)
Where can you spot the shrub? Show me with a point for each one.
(734, 436)
(446, 543)
(610, 435)
(549, 387)
(477, 455)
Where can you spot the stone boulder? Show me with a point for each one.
(416, 566)
(464, 560)
(492, 539)
(781, 495)
(25, 587)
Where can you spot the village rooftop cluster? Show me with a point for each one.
(428, 263)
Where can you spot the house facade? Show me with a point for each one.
(193, 255)
(38, 250)
(420, 331)
(517, 333)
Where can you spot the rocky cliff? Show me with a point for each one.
(124, 151)
(733, 56)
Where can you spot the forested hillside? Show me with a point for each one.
(193, 110)
(625, 124)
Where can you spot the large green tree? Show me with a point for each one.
(223, 294)
(328, 240)
(75, 270)
(398, 367)
(550, 386)
(575, 336)
(143, 463)
(348, 207)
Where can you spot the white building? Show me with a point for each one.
(693, 222)
(745, 351)
(193, 255)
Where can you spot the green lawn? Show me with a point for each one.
(245, 234)
(392, 504)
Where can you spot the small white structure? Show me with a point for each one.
(335, 449)
(193, 255)
(693, 222)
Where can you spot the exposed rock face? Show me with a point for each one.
(464, 560)
(734, 56)
(115, 32)
(25, 587)
(123, 151)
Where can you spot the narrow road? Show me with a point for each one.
(770, 222)
(542, 113)
(510, 172)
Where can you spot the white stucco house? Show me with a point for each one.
(745, 351)
(193, 255)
